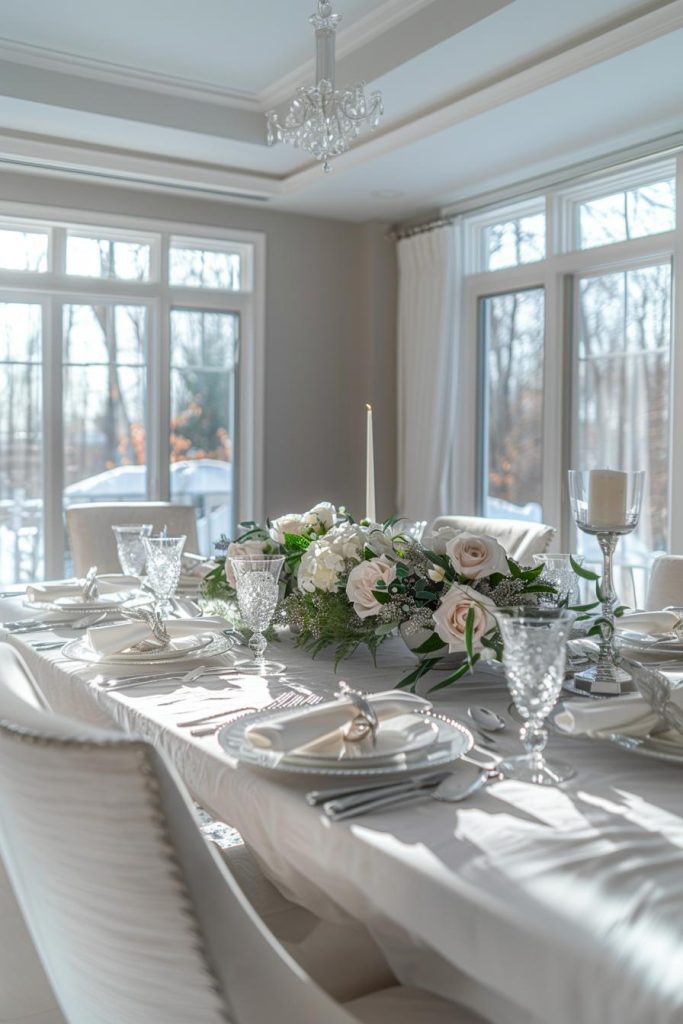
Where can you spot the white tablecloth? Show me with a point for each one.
(561, 906)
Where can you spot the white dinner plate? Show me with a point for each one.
(452, 740)
(190, 648)
(395, 738)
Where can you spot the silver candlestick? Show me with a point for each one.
(606, 504)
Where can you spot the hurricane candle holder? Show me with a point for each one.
(606, 504)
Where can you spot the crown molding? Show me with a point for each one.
(361, 32)
(56, 157)
(603, 46)
(65, 63)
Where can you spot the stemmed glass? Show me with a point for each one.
(257, 595)
(131, 550)
(164, 562)
(534, 654)
(558, 572)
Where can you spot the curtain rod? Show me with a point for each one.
(420, 229)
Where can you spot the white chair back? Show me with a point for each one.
(666, 583)
(521, 540)
(92, 540)
(136, 919)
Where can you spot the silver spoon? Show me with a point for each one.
(486, 719)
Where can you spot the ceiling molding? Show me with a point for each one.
(64, 159)
(361, 32)
(119, 74)
(601, 47)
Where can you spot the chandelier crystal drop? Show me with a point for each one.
(325, 120)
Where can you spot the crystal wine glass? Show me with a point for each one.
(131, 550)
(558, 572)
(257, 595)
(534, 654)
(164, 561)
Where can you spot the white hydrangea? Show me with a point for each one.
(323, 563)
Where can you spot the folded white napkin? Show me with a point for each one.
(629, 714)
(119, 636)
(653, 623)
(196, 566)
(319, 728)
(111, 584)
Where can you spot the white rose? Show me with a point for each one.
(450, 618)
(438, 540)
(363, 579)
(475, 556)
(320, 568)
(391, 541)
(321, 515)
(347, 540)
(244, 550)
(292, 522)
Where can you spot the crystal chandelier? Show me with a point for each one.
(324, 120)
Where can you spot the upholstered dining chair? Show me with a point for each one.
(521, 540)
(134, 915)
(666, 583)
(91, 538)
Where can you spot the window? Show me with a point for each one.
(569, 310)
(512, 408)
(132, 351)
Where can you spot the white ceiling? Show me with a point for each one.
(478, 93)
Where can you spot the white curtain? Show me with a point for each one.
(428, 308)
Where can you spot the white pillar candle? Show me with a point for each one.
(607, 496)
(369, 470)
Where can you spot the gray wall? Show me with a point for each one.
(330, 336)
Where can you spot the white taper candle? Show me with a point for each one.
(369, 470)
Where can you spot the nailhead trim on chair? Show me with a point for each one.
(142, 751)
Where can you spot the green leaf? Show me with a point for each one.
(293, 542)
(540, 588)
(382, 596)
(602, 596)
(469, 634)
(515, 570)
(619, 611)
(533, 574)
(585, 574)
(585, 607)
(433, 643)
(454, 676)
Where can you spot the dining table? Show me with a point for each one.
(531, 904)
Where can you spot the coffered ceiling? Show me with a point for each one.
(477, 93)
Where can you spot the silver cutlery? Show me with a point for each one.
(486, 719)
(456, 786)
(47, 645)
(284, 702)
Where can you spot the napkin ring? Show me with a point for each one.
(151, 618)
(90, 588)
(365, 723)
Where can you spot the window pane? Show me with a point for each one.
(204, 354)
(513, 405)
(624, 349)
(647, 210)
(23, 250)
(105, 369)
(512, 242)
(21, 443)
(106, 257)
(205, 268)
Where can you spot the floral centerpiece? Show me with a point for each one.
(347, 584)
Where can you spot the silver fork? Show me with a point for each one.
(285, 701)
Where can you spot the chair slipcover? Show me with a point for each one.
(666, 583)
(92, 540)
(521, 540)
(134, 915)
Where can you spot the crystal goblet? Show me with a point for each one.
(534, 654)
(558, 572)
(164, 562)
(131, 550)
(257, 585)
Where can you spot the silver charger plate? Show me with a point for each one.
(454, 740)
(647, 746)
(80, 650)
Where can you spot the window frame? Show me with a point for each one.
(54, 288)
(558, 274)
